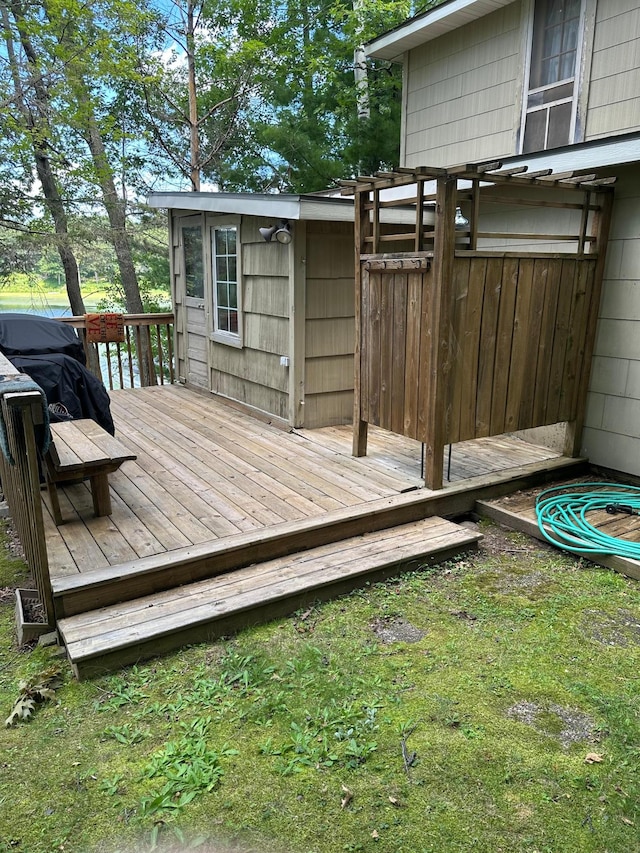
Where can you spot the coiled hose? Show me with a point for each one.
(562, 517)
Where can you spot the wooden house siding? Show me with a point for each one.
(613, 102)
(329, 324)
(253, 373)
(461, 90)
(611, 436)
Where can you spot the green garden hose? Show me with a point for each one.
(562, 517)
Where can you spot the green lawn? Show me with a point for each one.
(486, 705)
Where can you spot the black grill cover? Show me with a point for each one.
(29, 334)
(64, 380)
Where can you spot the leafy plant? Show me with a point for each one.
(34, 692)
(189, 766)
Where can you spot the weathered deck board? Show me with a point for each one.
(207, 472)
(127, 632)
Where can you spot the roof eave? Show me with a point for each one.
(430, 25)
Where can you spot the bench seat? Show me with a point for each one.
(80, 450)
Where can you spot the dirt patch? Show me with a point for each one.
(621, 628)
(13, 544)
(567, 725)
(396, 630)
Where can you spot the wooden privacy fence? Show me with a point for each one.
(22, 413)
(456, 343)
(141, 355)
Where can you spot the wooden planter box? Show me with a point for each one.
(27, 630)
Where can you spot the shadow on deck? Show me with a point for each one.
(214, 490)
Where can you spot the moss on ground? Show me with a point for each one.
(509, 720)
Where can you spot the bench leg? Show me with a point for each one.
(55, 502)
(100, 494)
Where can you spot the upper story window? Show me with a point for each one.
(226, 284)
(550, 112)
(193, 265)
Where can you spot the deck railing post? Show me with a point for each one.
(21, 413)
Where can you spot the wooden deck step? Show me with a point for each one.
(102, 640)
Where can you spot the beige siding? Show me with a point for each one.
(612, 428)
(329, 327)
(613, 103)
(463, 91)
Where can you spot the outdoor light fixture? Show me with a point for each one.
(461, 220)
(281, 231)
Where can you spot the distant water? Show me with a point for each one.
(55, 306)
(44, 305)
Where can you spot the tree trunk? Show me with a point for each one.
(194, 130)
(37, 127)
(116, 213)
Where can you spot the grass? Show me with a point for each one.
(313, 735)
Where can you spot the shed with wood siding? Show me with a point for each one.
(291, 357)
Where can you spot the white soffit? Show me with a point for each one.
(430, 25)
(269, 205)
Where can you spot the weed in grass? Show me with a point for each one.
(189, 766)
(126, 734)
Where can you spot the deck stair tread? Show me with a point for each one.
(122, 633)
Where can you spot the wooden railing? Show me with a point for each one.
(22, 413)
(145, 357)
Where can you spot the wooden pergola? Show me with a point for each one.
(463, 333)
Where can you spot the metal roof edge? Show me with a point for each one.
(596, 154)
(284, 206)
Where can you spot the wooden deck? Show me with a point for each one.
(214, 490)
(206, 471)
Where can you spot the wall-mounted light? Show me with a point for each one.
(281, 231)
(461, 220)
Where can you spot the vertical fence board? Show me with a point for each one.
(373, 379)
(545, 342)
(412, 355)
(504, 342)
(487, 350)
(518, 367)
(398, 367)
(462, 270)
(536, 309)
(385, 355)
(562, 329)
(468, 376)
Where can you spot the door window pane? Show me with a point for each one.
(193, 266)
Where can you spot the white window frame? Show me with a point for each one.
(575, 132)
(222, 336)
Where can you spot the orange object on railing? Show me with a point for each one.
(104, 328)
(143, 355)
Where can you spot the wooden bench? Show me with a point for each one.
(82, 450)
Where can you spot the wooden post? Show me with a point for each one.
(440, 342)
(21, 484)
(419, 239)
(600, 231)
(361, 229)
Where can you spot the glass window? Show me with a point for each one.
(554, 50)
(193, 265)
(225, 270)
